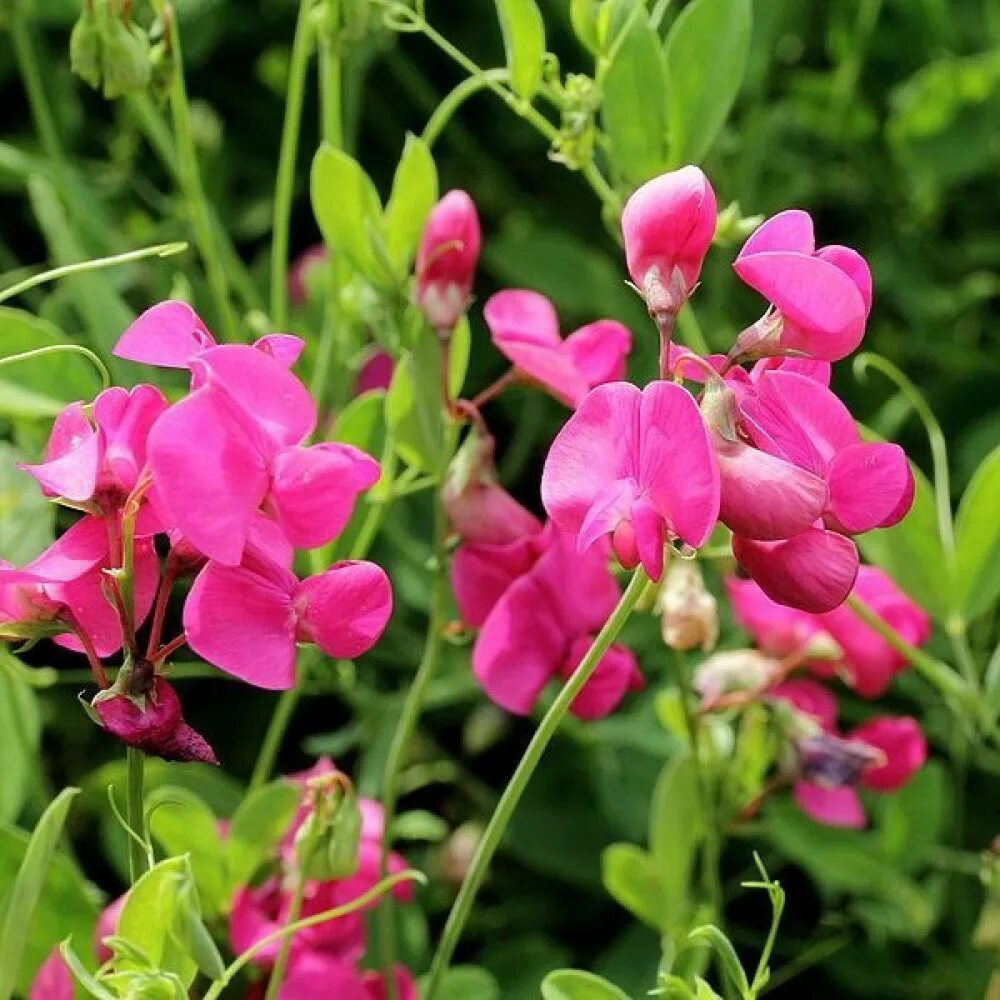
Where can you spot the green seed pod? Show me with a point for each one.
(126, 60)
(85, 48)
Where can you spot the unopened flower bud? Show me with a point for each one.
(458, 852)
(125, 58)
(446, 261)
(668, 225)
(734, 670)
(689, 616)
(85, 48)
(327, 842)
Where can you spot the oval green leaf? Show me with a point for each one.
(572, 984)
(524, 43)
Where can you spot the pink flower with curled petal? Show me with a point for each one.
(638, 466)
(247, 619)
(171, 334)
(821, 297)
(542, 624)
(525, 329)
(53, 981)
(233, 448)
(668, 225)
(446, 260)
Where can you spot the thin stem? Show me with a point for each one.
(302, 47)
(38, 352)
(690, 330)
(494, 389)
(497, 826)
(406, 726)
(97, 671)
(160, 611)
(136, 813)
(387, 884)
(276, 728)
(168, 649)
(190, 181)
(452, 101)
(160, 250)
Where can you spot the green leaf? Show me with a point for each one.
(19, 733)
(634, 106)
(347, 208)
(27, 519)
(414, 191)
(572, 984)
(183, 824)
(676, 827)
(28, 888)
(467, 982)
(155, 919)
(977, 540)
(82, 975)
(42, 386)
(911, 552)
(413, 409)
(458, 356)
(524, 42)
(257, 826)
(630, 877)
(911, 821)
(362, 422)
(707, 33)
(711, 935)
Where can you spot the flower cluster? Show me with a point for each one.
(226, 476)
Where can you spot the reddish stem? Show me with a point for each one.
(492, 391)
(167, 582)
(169, 649)
(96, 667)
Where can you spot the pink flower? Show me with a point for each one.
(233, 447)
(481, 572)
(810, 698)
(247, 619)
(65, 585)
(903, 747)
(171, 334)
(100, 460)
(821, 297)
(446, 260)
(301, 270)
(316, 976)
(668, 225)
(525, 330)
(375, 373)
(152, 721)
(635, 465)
(53, 981)
(107, 926)
(541, 625)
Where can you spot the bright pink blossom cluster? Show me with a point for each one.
(228, 478)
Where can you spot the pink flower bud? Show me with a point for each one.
(446, 260)
(668, 225)
(903, 747)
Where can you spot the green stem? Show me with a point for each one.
(277, 727)
(302, 48)
(452, 101)
(497, 826)
(191, 184)
(689, 330)
(136, 812)
(387, 884)
(38, 352)
(405, 728)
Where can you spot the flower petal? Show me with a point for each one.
(871, 486)
(517, 314)
(830, 806)
(775, 628)
(285, 348)
(598, 351)
(480, 573)
(788, 230)
(79, 549)
(617, 673)
(345, 609)
(167, 335)
(809, 697)
(904, 745)
(812, 571)
(73, 457)
(854, 266)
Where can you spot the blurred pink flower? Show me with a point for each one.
(375, 373)
(302, 266)
(525, 329)
(635, 465)
(821, 297)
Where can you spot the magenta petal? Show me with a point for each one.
(125, 419)
(812, 571)
(650, 537)
(677, 465)
(616, 674)
(520, 647)
(871, 486)
(613, 506)
(80, 548)
(242, 621)
(818, 371)
(831, 806)
(598, 351)
(764, 497)
(73, 457)
(480, 573)
(824, 310)
(167, 335)
(53, 981)
(313, 490)
(777, 629)
(209, 476)
(810, 697)
(788, 230)
(904, 745)
(516, 314)
(580, 586)
(285, 348)
(596, 447)
(854, 266)
(344, 610)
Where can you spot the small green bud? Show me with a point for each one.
(126, 60)
(85, 48)
(327, 843)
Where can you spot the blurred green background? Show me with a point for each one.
(881, 117)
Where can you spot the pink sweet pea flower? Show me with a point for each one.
(541, 626)
(233, 447)
(171, 334)
(810, 698)
(481, 572)
(668, 225)
(100, 460)
(821, 297)
(247, 619)
(53, 981)
(903, 746)
(154, 724)
(375, 373)
(446, 260)
(301, 269)
(525, 329)
(638, 466)
(775, 628)
(107, 926)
